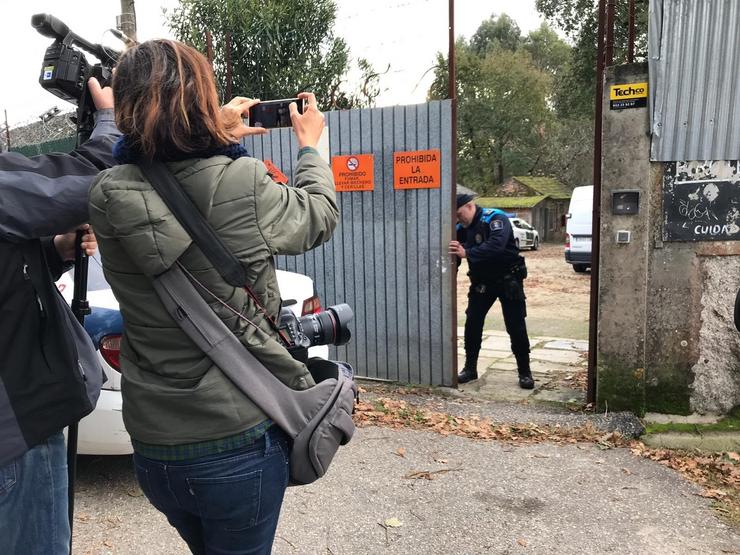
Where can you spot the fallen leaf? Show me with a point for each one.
(420, 475)
(429, 475)
(393, 523)
(401, 452)
(627, 471)
(734, 456)
(108, 543)
(713, 494)
(521, 542)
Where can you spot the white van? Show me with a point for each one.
(578, 228)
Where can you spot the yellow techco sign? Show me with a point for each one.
(628, 95)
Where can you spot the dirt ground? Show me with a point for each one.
(557, 297)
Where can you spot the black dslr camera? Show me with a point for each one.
(65, 70)
(329, 327)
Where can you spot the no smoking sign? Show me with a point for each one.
(352, 163)
(353, 172)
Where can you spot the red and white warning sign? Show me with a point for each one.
(275, 173)
(354, 172)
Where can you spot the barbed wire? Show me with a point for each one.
(33, 131)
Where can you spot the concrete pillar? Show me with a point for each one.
(624, 266)
(666, 339)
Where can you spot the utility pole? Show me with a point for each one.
(593, 313)
(7, 132)
(452, 94)
(127, 20)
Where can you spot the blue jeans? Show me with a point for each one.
(225, 503)
(33, 501)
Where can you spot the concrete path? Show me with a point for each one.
(485, 497)
(401, 491)
(558, 366)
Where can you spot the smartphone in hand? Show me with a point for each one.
(273, 113)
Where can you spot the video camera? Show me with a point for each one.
(65, 69)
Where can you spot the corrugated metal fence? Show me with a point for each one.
(388, 257)
(694, 56)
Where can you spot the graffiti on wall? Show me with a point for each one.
(701, 201)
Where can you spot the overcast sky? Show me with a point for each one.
(403, 33)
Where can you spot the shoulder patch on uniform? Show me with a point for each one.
(497, 225)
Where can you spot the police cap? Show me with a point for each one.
(465, 195)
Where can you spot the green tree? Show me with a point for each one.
(277, 47)
(502, 113)
(567, 152)
(549, 52)
(495, 33)
(578, 19)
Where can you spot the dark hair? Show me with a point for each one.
(166, 101)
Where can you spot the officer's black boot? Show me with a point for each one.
(526, 381)
(469, 371)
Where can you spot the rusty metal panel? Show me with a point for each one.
(694, 59)
(388, 256)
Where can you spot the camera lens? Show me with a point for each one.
(330, 327)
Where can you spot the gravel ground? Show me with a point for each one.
(483, 497)
(454, 402)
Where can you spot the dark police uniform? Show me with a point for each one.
(497, 271)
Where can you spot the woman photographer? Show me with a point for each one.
(205, 455)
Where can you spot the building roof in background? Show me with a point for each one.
(509, 202)
(546, 186)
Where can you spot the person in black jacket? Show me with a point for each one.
(49, 378)
(497, 271)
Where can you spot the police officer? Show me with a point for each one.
(497, 271)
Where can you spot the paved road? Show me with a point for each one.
(491, 498)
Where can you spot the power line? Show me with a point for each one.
(377, 8)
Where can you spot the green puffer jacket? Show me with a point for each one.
(172, 393)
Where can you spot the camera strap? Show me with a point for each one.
(190, 218)
(202, 233)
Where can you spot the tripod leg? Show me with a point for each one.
(71, 474)
(80, 308)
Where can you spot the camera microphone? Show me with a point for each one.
(49, 26)
(123, 37)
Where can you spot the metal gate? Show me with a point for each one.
(388, 256)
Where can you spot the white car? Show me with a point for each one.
(102, 432)
(525, 235)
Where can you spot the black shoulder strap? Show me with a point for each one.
(183, 208)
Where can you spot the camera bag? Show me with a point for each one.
(319, 419)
